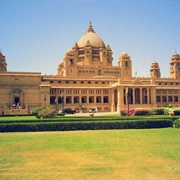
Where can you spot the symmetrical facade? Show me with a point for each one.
(86, 77)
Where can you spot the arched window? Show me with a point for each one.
(71, 61)
(99, 72)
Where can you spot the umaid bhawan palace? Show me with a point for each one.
(86, 77)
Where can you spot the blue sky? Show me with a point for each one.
(34, 35)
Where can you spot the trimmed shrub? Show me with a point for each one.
(176, 123)
(83, 125)
(61, 114)
(142, 112)
(177, 112)
(123, 113)
(158, 111)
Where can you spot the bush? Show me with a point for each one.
(123, 113)
(177, 112)
(85, 125)
(158, 111)
(35, 110)
(166, 111)
(48, 112)
(142, 112)
(177, 123)
(61, 114)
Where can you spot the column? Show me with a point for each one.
(112, 100)
(118, 100)
(133, 95)
(147, 95)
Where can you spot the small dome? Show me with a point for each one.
(92, 37)
(124, 55)
(69, 51)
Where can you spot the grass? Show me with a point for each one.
(110, 154)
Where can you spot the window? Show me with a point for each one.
(67, 82)
(91, 99)
(158, 91)
(68, 99)
(60, 100)
(76, 99)
(98, 99)
(59, 82)
(83, 91)
(91, 91)
(164, 99)
(52, 99)
(105, 99)
(158, 99)
(99, 72)
(176, 99)
(71, 61)
(83, 99)
(51, 82)
(169, 98)
(16, 100)
(126, 64)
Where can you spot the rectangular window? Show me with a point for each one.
(98, 99)
(169, 98)
(91, 99)
(176, 99)
(76, 99)
(84, 99)
(158, 99)
(105, 99)
(164, 99)
(52, 99)
(68, 99)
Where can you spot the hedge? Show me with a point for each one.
(86, 125)
(177, 123)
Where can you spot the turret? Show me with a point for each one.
(175, 66)
(70, 64)
(109, 56)
(3, 63)
(88, 53)
(125, 64)
(155, 70)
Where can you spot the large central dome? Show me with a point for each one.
(92, 37)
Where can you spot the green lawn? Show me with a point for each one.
(106, 154)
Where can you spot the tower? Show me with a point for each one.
(155, 70)
(175, 66)
(3, 63)
(125, 64)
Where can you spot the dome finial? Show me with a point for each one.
(90, 28)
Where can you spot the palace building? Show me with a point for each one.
(86, 77)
